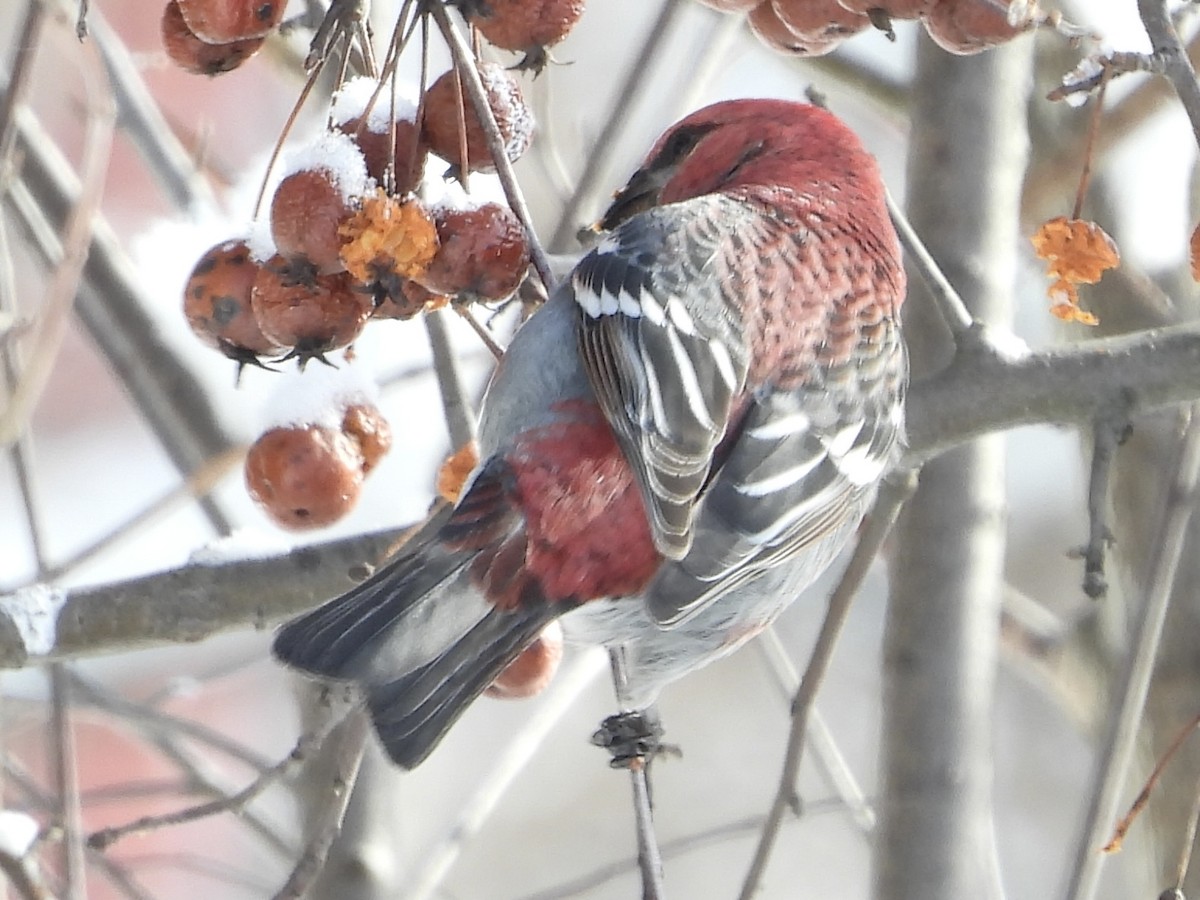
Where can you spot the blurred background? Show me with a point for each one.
(94, 492)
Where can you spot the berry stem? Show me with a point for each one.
(464, 64)
(1093, 129)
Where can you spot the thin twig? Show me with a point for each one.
(464, 63)
(277, 149)
(402, 33)
(1143, 797)
(34, 797)
(649, 856)
(871, 538)
(340, 20)
(954, 311)
(1107, 435)
(347, 742)
(561, 697)
(203, 785)
(20, 73)
(54, 314)
(1111, 65)
(825, 750)
(164, 732)
(650, 862)
(1189, 843)
(586, 884)
(1176, 66)
(595, 168)
(460, 421)
(119, 877)
(198, 485)
(106, 837)
(1089, 146)
(20, 452)
(66, 779)
(149, 720)
(140, 117)
(1133, 684)
(482, 333)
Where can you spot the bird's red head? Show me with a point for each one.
(745, 144)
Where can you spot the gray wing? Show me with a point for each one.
(662, 339)
(800, 474)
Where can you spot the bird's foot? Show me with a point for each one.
(632, 738)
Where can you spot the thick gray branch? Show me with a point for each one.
(988, 388)
(190, 603)
(966, 164)
(983, 391)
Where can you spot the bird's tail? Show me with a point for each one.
(418, 637)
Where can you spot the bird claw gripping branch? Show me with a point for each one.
(673, 447)
(630, 737)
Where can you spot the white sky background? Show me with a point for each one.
(97, 465)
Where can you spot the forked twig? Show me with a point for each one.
(871, 538)
(1133, 684)
(347, 743)
(106, 837)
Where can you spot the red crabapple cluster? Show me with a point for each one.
(816, 27)
(209, 37)
(352, 241)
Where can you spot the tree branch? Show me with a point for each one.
(186, 604)
(992, 384)
(995, 383)
(1176, 65)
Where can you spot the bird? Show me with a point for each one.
(675, 445)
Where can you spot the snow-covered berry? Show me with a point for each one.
(446, 111)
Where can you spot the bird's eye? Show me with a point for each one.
(680, 144)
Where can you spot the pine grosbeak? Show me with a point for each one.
(672, 448)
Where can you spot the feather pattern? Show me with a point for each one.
(664, 347)
(743, 466)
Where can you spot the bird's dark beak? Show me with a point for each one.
(638, 195)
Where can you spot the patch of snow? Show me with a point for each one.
(337, 154)
(34, 612)
(355, 95)
(18, 831)
(318, 396)
(244, 543)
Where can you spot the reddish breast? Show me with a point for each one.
(584, 520)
